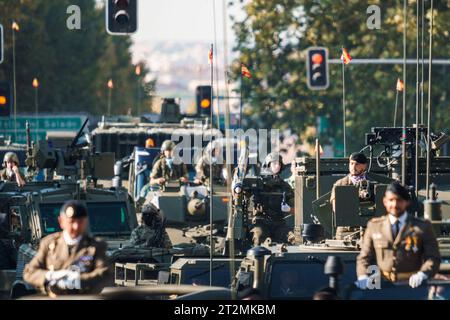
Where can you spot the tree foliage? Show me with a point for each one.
(72, 66)
(272, 39)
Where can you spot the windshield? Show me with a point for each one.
(200, 276)
(104, 217)
(301, 279)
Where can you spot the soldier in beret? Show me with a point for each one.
(69, 261)
(404, 247)
(357, 167)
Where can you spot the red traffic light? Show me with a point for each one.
(317, 58)
(3, 100)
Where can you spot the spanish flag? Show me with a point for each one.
(345, 57)
(400, 85)
(210, 56)
(245, 72)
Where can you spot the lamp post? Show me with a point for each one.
(110, 87)
(36, 105)
(137, 71)
(15, 28)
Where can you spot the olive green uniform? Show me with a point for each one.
(414, 249)
(203, 168)
(162, 170)
(89, 256)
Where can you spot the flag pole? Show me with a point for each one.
(343, 108)
(211, 242)
(241, 102)
(396, 107)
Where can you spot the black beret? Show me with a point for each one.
(358, 157)
(399, 190)
(74, 209)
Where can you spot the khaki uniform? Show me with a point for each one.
(162, 170)
(345, 181)
(145, 237)
(414, 249)
(53, 254)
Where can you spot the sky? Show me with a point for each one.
(180, 20)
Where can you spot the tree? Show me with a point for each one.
(272, 39)
(73, 66)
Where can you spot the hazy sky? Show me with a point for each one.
(180, 20)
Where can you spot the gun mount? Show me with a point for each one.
(77, 161)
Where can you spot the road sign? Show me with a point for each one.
(39, 126)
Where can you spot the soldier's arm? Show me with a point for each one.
(97, 278)
(431, 255)
(366, 256)
(184, 171)
(155, 173)
(35, 270)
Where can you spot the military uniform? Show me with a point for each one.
(270, 222)
(345, 181)
(144, 236)
(89, 257)
(203, 168)
(162, 170)
(414, 249)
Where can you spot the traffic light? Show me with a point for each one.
(5, 99)
(203, 95)
(121, 16)
(1, 43)
(317, 68)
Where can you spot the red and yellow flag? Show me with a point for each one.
(345, 57)
(245, 72)
(210, 56)
(400, 85)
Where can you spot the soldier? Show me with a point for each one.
(203, 167)
(151, 232)
(357, 166)
(270, 211)
(11, 172)
(69, 261)
(403, 247)
(164, 169)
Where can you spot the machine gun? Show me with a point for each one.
(77, 161)
(238, 220)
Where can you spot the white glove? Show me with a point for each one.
(71, 281)
(416, 279)
(56, 275)
(362, 282)
(285, 207)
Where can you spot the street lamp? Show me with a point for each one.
(137, 71)
(15, 28)
(36, 89)
(110, 87)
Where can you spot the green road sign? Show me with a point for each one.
(39, 126)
